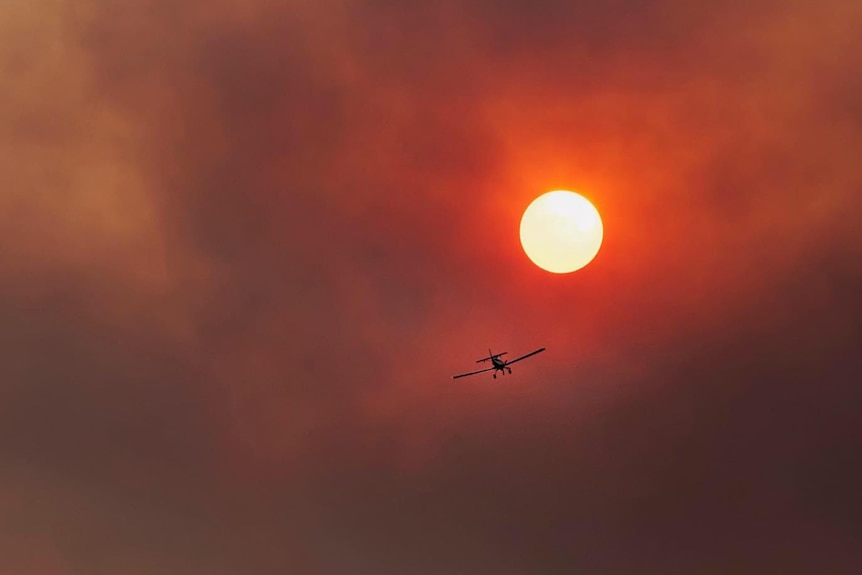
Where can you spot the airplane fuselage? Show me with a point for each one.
(498, 364)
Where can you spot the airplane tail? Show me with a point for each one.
(491, 356)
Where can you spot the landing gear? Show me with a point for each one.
(494, 375)
(510, 369)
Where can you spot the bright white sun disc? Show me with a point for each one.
(561, 231)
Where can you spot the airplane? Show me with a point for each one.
(498, 364)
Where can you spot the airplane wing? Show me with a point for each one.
(526, 356)
(472, 373)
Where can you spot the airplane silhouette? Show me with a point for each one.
(498, 364)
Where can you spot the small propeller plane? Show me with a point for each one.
(498, 364)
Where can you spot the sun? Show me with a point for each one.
(561, 231)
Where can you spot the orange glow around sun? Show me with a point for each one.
(561, 231)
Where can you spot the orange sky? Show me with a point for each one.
(245, 247)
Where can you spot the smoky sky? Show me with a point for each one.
(244, 246)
